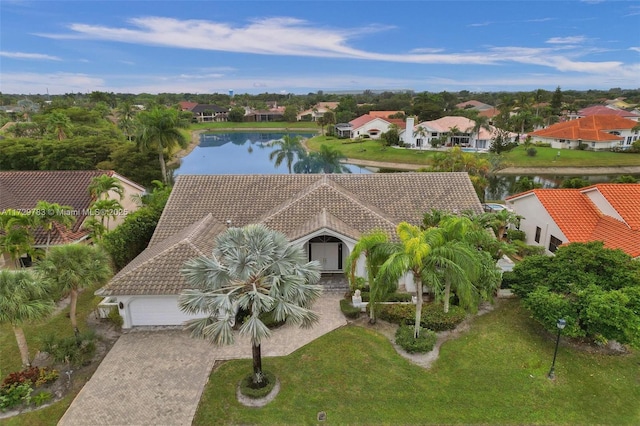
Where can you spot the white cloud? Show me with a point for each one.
(566, 40)
(34, 56)
(55, 83)
(635, 49)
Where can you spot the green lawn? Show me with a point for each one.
(548, 157)
(495, 373)
(259, 125)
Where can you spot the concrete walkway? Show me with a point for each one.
(157, 377)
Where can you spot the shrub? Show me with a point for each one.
(42, 397)
(516, 235)
(523, 249)
(115, 318)
(246, 386)
(424, 343)
(16, 394)
(532, 152)
(391, 297)
(348, 309)
(397, 314)
(28, 375)
(433, 316)
(269, 320)
(66, 349)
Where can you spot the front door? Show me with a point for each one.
(328, 251)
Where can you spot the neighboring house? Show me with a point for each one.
(323, 214)
(205, 113)
(318, 110)
(427, 131)
(275, 113)
(619, 103)
(596, 132)
(603, 110)
(21, 190)
(367, 126)
(604, 212)
(384, 114)
(483, 109)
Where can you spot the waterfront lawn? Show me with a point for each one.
(548, 157)
(493, 374)
(372, 150)
(230, 125)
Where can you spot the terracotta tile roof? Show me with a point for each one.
(444, 124)
(296, 205)
(606, 110)
(593, 128)
(383, 114)
(361, 121)
(187, 106)
(23, 189)
(580, 219)
(473, 104)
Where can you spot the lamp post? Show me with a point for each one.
(560, 324)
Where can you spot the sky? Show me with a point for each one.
(298, 47)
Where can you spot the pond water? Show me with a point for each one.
(239, 153)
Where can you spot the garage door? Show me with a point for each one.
(156, 310)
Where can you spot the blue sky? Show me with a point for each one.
(306, 46)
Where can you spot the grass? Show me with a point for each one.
(548, 157)
(495, 373)
(60, 325)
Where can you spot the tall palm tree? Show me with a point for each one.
(74, 267)
(160, 130)
(48, 214)
(330, 160)
(371, 246)
(479, 123)
(106, 209)
(16, 236)
(410, 256)
(288, 148)
(22, 299)
(256, 269)
(101, 185)
(59, 123)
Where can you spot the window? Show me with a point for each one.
(538, 232)
(434, 134)
(554, 243)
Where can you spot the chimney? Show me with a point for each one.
(408, 132)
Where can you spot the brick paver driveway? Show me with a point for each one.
(157, 377)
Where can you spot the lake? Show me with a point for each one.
(239, 153)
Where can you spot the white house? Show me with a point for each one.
(602, 212)
(323, 214)
(595, 132)
(367, 126)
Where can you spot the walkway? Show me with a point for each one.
(157, 377)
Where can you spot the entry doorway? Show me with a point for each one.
(327, 250)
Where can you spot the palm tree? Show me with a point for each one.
(101, 185)
(22, 298)
(289, 147)
(480, 122)
(160, 130)
(106, 209)
(59, 123)
(410, 255)
(256, 269)
(48, 214)
(371, 246)
(330, 160)
(74, 267)
(16, 237)
(126, 114)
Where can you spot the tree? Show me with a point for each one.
(479, 123)
(371, 245)
(330, 160)
(59, 124)
(290, 114)
(391, 136)
(556, 101)
(501, 142)
(288, 148)
(22, 299)
(73, 267)
(236, 114)
(575, 182)
(16, 237)
(160, 130)
(595, 289)
(101, 185)
(48, 214)
(256, 269)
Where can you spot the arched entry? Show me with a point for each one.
(330, 251)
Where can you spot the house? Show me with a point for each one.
(384, 114)
(604, 110)
(595, 132)
(21, 190)
(451, 131)
(323, 214)
(483, 109)
(367, 126)
(275, 113)
(317, 111)
(604, 212)
(205, 113)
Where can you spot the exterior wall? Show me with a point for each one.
(138, 311)
(363, 130)
(535, 215)
(128, 201)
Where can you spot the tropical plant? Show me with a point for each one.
(106, 209)
(59, 124)
(160, 130)
(48, 214)
(255, 269)
(330, 159)
(101, 185)
(23, 298)
(16, 237)
(74, 267)
(479, 123)
(371, 245)
(288, 148)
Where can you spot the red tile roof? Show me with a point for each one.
(606, 110)
(383, 114)
(361, 121)
(580, 220)
(593, 128)
(187, 106)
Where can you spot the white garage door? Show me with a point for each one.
(156, 310)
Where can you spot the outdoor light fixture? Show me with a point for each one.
(560, 324)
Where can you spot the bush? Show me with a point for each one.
(391, 297)
(532, 152)
(433, 316)
(516, 235)
(16, 394)
(348, 309)
(424, 343)
(33, 375)
(247, 389)
(67, 348)
(42, 397)
(115, 318)
(523, 249)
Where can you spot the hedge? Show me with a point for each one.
(424, 343)
(348, 309)
(433, 316)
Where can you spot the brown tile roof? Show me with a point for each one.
(593, 128)
(23, 189)
(606, 110)
(296, 205)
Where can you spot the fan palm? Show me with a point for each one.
(22, 299)
(288, 148)
(256, 269)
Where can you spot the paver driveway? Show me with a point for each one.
(157, 377)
